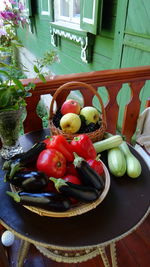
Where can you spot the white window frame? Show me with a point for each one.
(59, 17)
(45, 13)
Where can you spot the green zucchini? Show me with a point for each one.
(116, 162)
(111, 142)
(133, 165)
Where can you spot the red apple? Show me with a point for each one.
(70, 106)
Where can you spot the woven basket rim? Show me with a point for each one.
(99, 132)
(76, 210)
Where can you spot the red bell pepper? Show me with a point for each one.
(60, 143)
(96, 165)
(83, 146)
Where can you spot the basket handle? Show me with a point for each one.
(73, 85)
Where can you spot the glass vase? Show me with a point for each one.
(10, 125)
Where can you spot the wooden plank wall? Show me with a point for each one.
(134, 49)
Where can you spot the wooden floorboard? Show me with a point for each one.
(132, 251)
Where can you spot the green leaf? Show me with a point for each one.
(18, 83)
(5, 73)
(32, 85)
(5, 97)
(28, 94)
(29, 86)
(36, 69)
(2, 65)
(42, 78)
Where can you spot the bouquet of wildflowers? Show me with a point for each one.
(11, 18)
(13, 15)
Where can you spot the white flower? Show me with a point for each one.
(2, 32)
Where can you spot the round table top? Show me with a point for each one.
(123, 209)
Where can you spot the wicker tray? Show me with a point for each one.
(75, 210)
(59, 95)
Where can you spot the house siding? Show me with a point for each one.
(69, 52)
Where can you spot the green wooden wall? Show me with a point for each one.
(122, 41)
(134, 48)
(37, 42)
(69, 52)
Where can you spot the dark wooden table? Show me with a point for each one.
(124, 208)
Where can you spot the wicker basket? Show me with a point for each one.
(95, 135)
(76, 209)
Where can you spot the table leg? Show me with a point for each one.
(104, 257)
(23, 250)
(113, 254)
(3, 256)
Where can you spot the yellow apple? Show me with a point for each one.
(90, 114)
(70, 123)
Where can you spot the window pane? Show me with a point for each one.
(64, 8)
(88, 12)
(76, 8)
(67, 11)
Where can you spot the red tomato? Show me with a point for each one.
(52, 163)
(96, 165)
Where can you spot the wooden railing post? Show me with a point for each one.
(32, 121)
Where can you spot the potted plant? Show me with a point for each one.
(12, 91)
(13, 101)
